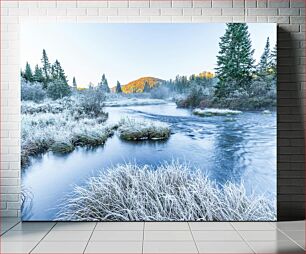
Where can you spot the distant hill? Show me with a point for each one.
(137, 85)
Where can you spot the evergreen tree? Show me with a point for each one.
(58, 89)
(21, 73)
(181, 83)
(74, 84)
(58, 72)
(38, 74)
(28, 74)
(118, 87)
(90, 85)
(273, 60)
(263, 65)
(234, 61)
(103, 85)
(46, 68)
(146, 88)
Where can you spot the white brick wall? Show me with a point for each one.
(288, 13)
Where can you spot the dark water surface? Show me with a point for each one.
(229, 148)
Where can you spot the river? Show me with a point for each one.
(239, 148)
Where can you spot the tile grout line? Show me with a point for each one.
(244, 240)
(290, 238)
(90, 237)
(193, 237)
(42, 238)
(9, 228)
(143, 232)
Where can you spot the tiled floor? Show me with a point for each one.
(152, 237)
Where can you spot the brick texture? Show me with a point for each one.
(289, 14)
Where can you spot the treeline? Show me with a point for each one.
(240, 83)
(46, 80)
(50, 80)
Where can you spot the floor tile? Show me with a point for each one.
(221, 226)
(119, 226)
(17, 247)
(276, 247)
(106, 236)
(114, 247)
(253, 226)
(60, 247)
(69, 236)
(169, 247)
(223, 247)
(167, 236)
(297, 235)
(63, 226)
(166, 226)
(216, 236)
(9, 224)
(23, 236)
(273, 235)
(290, 225)
(5, 226)
(33, 226)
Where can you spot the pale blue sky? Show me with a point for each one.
(126, 52)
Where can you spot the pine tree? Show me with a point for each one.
(46, 67)
(74, 84)
(38, 74)
(58, 72)
(28, 74)
(58, 89)
(21, 73)
(234, 61)
(146, 88)
(263, 65)
(273, 60)
(103, 85)
(118, 87)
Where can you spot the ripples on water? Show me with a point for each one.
(229, 148)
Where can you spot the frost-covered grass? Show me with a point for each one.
(171, 192)
(121, 102)
(59, 126)
(138, 129)
(215, 112)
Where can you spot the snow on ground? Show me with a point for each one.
(215, 112)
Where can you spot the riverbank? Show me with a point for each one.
(62, 125)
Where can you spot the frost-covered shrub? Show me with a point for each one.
(193, 99)
(170, 192)
(59, 132)
(91, 102)
(215, 112)
(93, 137)
(63, 146)
(32, 91)
(46, 106)
(136, 129)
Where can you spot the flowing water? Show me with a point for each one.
(239, 148)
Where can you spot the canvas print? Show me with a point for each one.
(148, 122)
